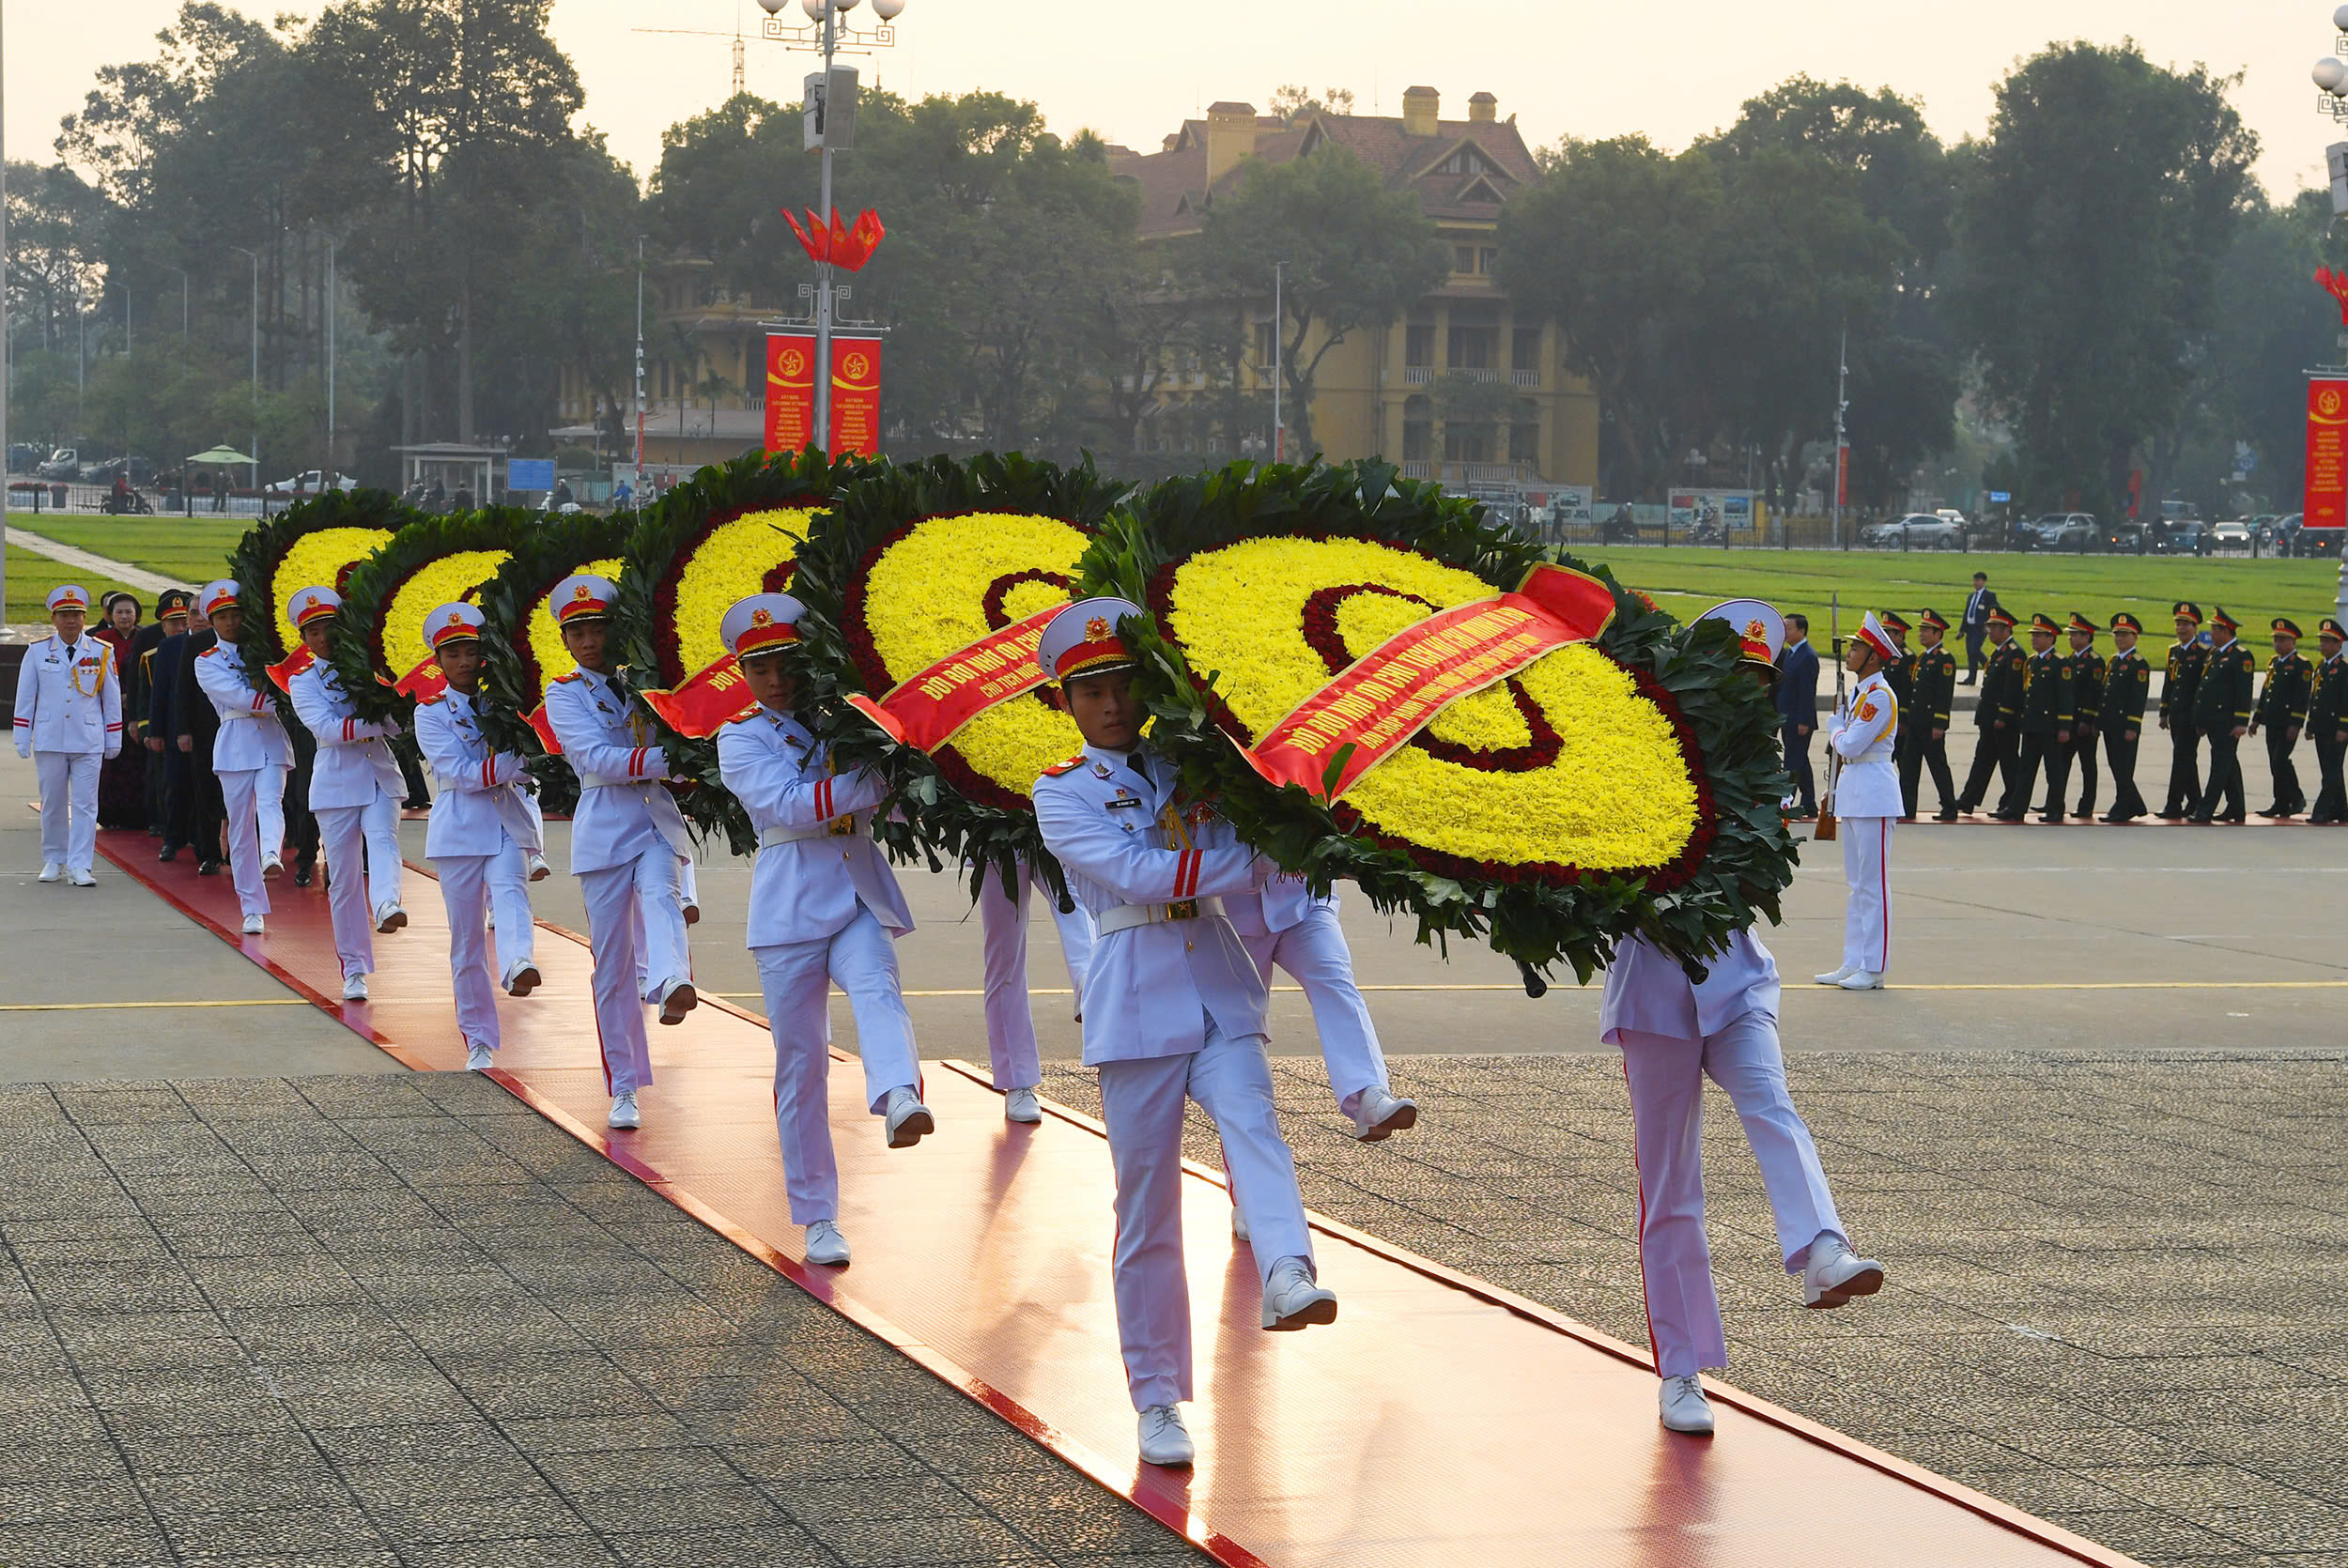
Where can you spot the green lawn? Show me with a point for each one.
(1686, 581)
(31, 576)
(191, 552)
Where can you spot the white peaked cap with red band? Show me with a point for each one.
(219, 595)
(1758, 625)
(582, 596)
(68, 595)
(455, 621)
(1871, 632)
(310, 603)
(1081, 639)
(761, 623)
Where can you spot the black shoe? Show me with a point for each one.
(154, 833)
(2005, 816)
(208, 868)
(2053, 817)
(168, 853)
(2086, 812)
(305, 871)
(2199, 821)
(415, 806)
(2235, 818)
(1946, 814)
(2170, 814)
(2274, 810)
(2325, 820)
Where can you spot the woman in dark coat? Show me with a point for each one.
(122, 781)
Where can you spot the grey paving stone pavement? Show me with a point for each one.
(402, 1320)
(2117, 1288)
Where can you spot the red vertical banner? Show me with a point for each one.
(1842, 474)
(2326, 504)
(855, 395)
(789, 390)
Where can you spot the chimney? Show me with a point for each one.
(1483, 109)
(1230, 138)
(1421, 108)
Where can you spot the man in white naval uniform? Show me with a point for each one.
(1173, 1011)
(355, 792)
(1867, 803)
(626, 840)
(1674, 1033)
(68, 720)
(250, 755)
(1286, 925)
(480, 837)
(1010, 1045)
(824, 907)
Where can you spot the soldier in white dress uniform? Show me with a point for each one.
(484, 833)
(824, 907)
(1287, 926)
(1010, 1045)
(250, 755)
(68, 720)
(627, 839)
(1173, 1011)
(355, 793)
(1867, 803)
(1674, 1033)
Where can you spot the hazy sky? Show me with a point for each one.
(1135, 70)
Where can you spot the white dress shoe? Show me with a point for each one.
(272, 867)
(1165, 1441)
(1833, 977)
(80, 877)
(51, 870)
(522, 979)
(1292, 1301)
(1379, 1115)
(1239, 1223)
(677, 998)
(908, 1120)
(355, 986)
(825, 1244)
(1683, 1408)
(253, 925)
(1861, 980)
(389, 916)
(478, 1057)
(539, 869)
(624, 1113)
(1833, 1274)
(1019, 1105)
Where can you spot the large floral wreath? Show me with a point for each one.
(317, 543)
(521, 647)
(1624, 785)
(914, 564)
(379, 638)
(732, 530)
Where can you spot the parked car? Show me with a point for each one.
(2182, 539)
(2068, 531)
(24, 457)
(65, 463)
(309, 482)
(1918, 531)
(1952, 514)
(2232, 534)
(2125, 537)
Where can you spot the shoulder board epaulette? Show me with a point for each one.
(209, 651)
(429, 702)
(1069, 766)
(566, 677)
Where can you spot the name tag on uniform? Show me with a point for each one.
(1124, 803)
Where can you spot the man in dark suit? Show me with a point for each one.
(192, 724)
(1797, 710)
(1974, 624)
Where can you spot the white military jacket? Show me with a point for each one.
(1151, 988)
(1282, 905)
(69, 697)
(478, 807)
(622, 810)
(1648, 994)
(816, 858)
(1867, 785)
(353, 766)
(249, 737)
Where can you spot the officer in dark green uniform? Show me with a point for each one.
(2128, 680)
(2184, 675)
(2049, 708)
(1926, 714)
(2282, 712)
(2000, 715)
(2087, 675)
(2222, 706)
(1901, 675)
(2327, 722)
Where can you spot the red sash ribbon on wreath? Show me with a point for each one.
(1383, 698)
(424, 683)
(281, 674)
(929, 709)
(544, 728)
(713, 697)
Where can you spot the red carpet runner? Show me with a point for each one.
(1439, 1422)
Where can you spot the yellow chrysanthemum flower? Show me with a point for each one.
(428, 588)
(730, 565)
(316, 560)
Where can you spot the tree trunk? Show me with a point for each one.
(464, 353)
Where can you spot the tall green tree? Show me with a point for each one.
(1354, 253)
(2091, 221)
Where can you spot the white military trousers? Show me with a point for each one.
(1315, 954)
(471, 886)
(344, 831)
(631, 903)
(69, 806)
(1141, 1105)
(1666, 1076)
(796, 979)
(1867, 918)
(255, 799)
(1011, 1046)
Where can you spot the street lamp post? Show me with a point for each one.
(1279, 427)
(2331, 79)
(255, 454)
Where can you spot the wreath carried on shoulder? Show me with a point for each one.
(318, 543)
(931, 568)
(378, 642)
(1623, 778)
